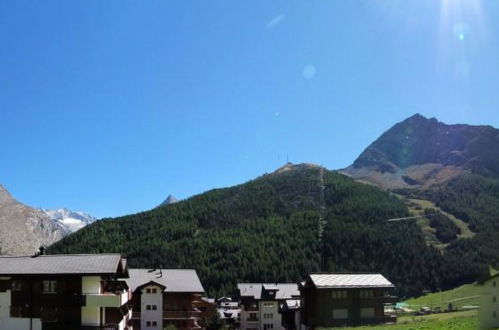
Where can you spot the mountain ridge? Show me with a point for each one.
(23, 229)
(71, 220)
(266, 229)
(419, 152)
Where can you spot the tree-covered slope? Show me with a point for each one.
(473, 198)
(266, 230)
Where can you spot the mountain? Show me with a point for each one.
(24, 229)
(169, 200)
(449, 174)
(71, 220)
(267, 230)
(420, 152)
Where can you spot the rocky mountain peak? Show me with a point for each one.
(5, 196)
(169, 200)
(419, 140)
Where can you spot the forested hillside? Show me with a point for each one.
(474, 199)
(267, 230)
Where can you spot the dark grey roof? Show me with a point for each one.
(175, 280)
(95, 264)
(254, 290)
(350, 281)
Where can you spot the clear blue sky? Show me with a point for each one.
(109, 106)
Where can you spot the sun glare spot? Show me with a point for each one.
(462, 32)
(309, 71)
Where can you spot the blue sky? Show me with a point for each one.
(109, 106)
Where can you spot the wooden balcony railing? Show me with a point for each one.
(181, 314)
(100, 327)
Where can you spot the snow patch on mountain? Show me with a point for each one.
(70, 220)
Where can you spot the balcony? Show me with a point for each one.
(181, 314)
(108, 299)
(379, 300)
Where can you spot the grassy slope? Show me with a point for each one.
(465, 230)
(465, 295)
(466, 320)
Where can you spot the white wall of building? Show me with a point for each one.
(90, 315)
(90, 285)
(151, 299)
(8, 323)
(489, 305)
(269, 315)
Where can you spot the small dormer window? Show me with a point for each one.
(148, 290)
(154, 290)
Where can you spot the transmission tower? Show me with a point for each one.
(322, 219)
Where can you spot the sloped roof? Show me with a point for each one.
(90, 264)
(350, 281)
(254, 290)
(175, 280)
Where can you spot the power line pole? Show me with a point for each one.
(322, 219)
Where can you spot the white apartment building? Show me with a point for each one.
(261, 304)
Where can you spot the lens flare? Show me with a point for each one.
(462, 25)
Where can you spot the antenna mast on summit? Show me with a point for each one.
(322, 218)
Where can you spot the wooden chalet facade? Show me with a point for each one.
(208, 310)
(70, 292)
(330, 300)
(164, 297)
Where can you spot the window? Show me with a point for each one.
(16, 286)
(340, 313)
(154, 307)
(268, 315)
(148, 290)
(148, 323)
(153, 290)
(367, 313)
(268, 326)
(268, 304)
(366, 294)
(494, 314)
(339, 294)
(494, 299)
(494, 284)
(49, 287)
(148, 307)
(154, 323)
